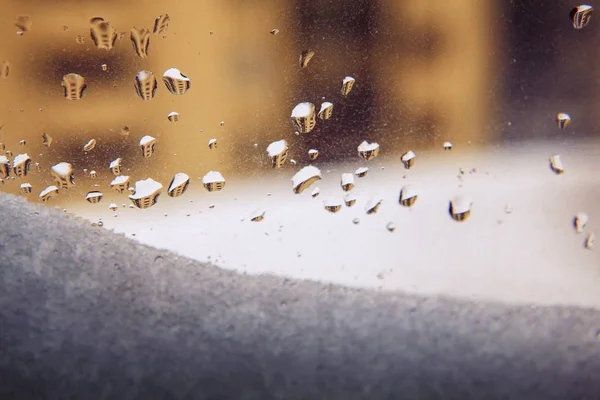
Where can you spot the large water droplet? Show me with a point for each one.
(74, 86)
(103, 34)
(304, 178)
(347, 85)
(47, 193)
(63, 174)
(408, 159)
(23, 23)
(361, 172)
(140, 38)
(580, 221)
(21, 164)
(213, 181)
(303, 117)
(305, 58)
(145, 85)
(326, 110)
(147, 144)
(5, 69)
(347, 181)
(146, 193)
(332, 205)
(173, 116)
(563, 120)
(89, 146)
(115, 166)
(373, 205)
(25, 188)
(460, 208)
(120, 184)
(161, 24)
(556, 164)
(581, 15)
(176, 82)
(368, 150)
(313, 154)
(278, 153)
(4, 167)
(178, 185)
(93, 197)
(408, 196)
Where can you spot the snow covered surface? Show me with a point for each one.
(407, 192)
(143, 75)
(93, 194)
(213, 177)
(21, 158)
(174, 73)
(409, 155)
(461, 204)
(348, 79)
(62, 169)
(145, 188)
(306, 173)
(146, 139)
(347, 179)
(179, 179)
(119, 180)
(276, 148)
(366, 146)
(115, 163)
(362, 171)
(303, 110)
(49, 189)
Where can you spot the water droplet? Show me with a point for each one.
(93, 174)
(173, 116)
(104, 67)
(589, 241)
(390, 227)
(26, 188)
(120, 184)
(368, 150)
(145, 85)
(408, 196)
(100, 224)
(146, 193)
(326, 110)
(305, 58)
(212, 143)
(161, 24)
(38, 167)
(125, 131)
(447, 146)
(556, 164)
(347, 181)
(349, 199)
(113, 207)
(79, 39)
(581, 15)
(563, 120)
(74, 86)
(258, 216)
(213, 181)
(63, 174)
(460, 208)
(23, 23)
(176, 82)
(22, 142)
(115, 166)
(141, 40)
(47, 193)
(408, 159)
(5, 69)
(278, 153)
(178, 185)
(21, 164)
(211, 206)
(303, 117)
(293, 162)
(361, 172)
(304, 178)
(222, 123)
(93, 197)
(313, 154)
(356, 221)
(580, 221)
(347, 85)
(89, 146)
(147, 144)
(373, 205)
(508, 209)
(332, 205)
(102, 33)
(274, 31)
(315, 192)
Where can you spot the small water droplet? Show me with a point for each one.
(390, 226)
(258, 216)
(161, 24)
(141, 40)
(115, 166)
(460, 208)
(93, 197)
(79, 39)
(304, 178)
(21, 164)
(326, 110)
(347, 182)
(408, 159)
(23, 23)
(93, 174)
(368, 150)
(563, 120)
(5, 69)
(173, 116)
(222, 123)
(589, 241)
(213, 181)
(347, 84)
(556, 164)
(332, 205)
(313, 154)
(580, 221)
(356, 221)
(147, 144)
(315, 192)
(349, 199)
(145, 85)
(89, 146)
(104, 67)
(146, 193)
(408, 196)
(125, 131)
(305, 58)
(176, 82)
(48, 193)
(292, 162)
(63, 175)
(303, 117)
(102, 33)
(447, 146)
(25, 188)
(178, 185)
(212, 143)
(508, 209)
(211, 206)
(361, 172)
(74, 86)
(113, 207)
(373, 205)
(278, 153)
(22, 142)
(274, 31)
(581, 15)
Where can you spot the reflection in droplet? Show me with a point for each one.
(313, 154)
(303, 117)
(408, 196)
(332, 205)
(390, 226)
(140, 38)
(408, 159)
(304, 178)
(115, 166)
(146, 193)
(258, 216)
(350, 199)
(212, 143)
(347, 181)
(563, 120)
(113, 207)
(361, 172)
(22, 142)
(326, 110)
(103, 34)
(23, 23)
(21, 164)
(176, 82)
(94, 197)
(460, 208)
(120, 184)
(93, 174)
(589, 241)
(89, 146)
(292, 162)
(5, 69)
(173, 116)
(447, 146)
(104, 67)
(305, 58)
(145, 85)
(580, 221)
(25, 188)
(4, 167)
(147, 144)
(178, 185)
(368, 150)
(79, 39)
(581, 15)
(63, 175)
(373, 205)
(274, 31)
(315, 192)
(161, 24)
(47, 193)
(347, 85)
(556, 164)
(213, 181)
(278, 152)
(74, 86)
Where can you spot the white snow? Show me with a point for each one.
(329, 202)
(48, 190)
(90, 145)
(347, 179)
(461, 204)
(372, 204)
(212, 177)
(366, 146)
(179, 179)
(324, 106)
(276, 148)
(119, 180)
(143, 75)
(313, 151)
(173, 114)
(361, 171)
(409, 155)
(145, 188)
(63, 169)
(212, 142)
(115, 163)
(146, 139)
(303, 110)
(407, 192)
(348, 79)
(25, 185)
(174, 73)
(21, 158)
(349, 197)
(92, 195)
(447, 145)
(315, 192)
(305, 174)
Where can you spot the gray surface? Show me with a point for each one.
(88, 314)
